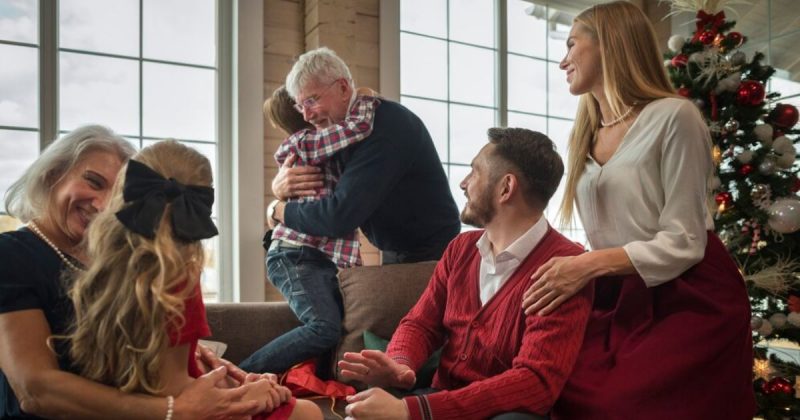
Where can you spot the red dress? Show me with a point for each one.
(196, 327)
(680, 350)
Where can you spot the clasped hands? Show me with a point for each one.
(262, 388)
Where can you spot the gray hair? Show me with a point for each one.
(321, 65)
(27, 198)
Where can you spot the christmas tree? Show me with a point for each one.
(755, 188)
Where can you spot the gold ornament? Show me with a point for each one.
(762, 369)
(716, 155)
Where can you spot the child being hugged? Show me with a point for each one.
(138, 307)
(303, 267)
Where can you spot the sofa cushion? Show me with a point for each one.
(376, 298)
(246, 327)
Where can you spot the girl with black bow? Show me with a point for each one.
(138, 307)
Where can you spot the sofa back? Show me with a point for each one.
(375, 298)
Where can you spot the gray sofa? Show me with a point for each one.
(374, 298)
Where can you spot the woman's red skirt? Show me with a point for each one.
(681, 350)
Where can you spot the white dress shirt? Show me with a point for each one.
(650, 198)
(495, 270)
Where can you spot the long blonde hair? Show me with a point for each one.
(133, 292)
(633, 74)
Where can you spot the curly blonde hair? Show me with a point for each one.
(133, 292)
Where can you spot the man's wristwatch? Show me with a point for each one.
(271, 210)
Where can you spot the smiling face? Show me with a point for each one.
(478, 187)
(80, 194)
(325, 104)
(582, 62)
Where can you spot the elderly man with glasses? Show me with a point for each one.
(393, 185)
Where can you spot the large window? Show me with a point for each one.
(467, 65)
(148, 69)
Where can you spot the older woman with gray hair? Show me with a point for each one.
(57, 196)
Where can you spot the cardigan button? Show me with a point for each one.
(475, 324)
(463, 356)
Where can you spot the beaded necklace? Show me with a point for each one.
(47, 240)
(618, 120)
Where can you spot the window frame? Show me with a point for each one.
(229, 170)
(390, 77)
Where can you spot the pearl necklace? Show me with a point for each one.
(47, 240)
(618, 120)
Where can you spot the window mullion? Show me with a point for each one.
(48, 72)
(501, 61)
(225, 131)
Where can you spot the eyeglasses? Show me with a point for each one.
(311, 102)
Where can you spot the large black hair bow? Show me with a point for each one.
(147, 193)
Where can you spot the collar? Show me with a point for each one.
(519, 249)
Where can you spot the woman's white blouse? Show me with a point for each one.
(650, 198)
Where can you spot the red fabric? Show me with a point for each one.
(283, 412)
(681, 350)
(302, 381)
(196, 327)
(496, 359)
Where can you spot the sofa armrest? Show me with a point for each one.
(246, 327)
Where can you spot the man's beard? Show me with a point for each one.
(480, 210)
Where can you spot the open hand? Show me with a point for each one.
(375, 368)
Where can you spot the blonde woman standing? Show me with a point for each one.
(669, 335)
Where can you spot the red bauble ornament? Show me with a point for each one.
(735, 38)
(684, 91)
(707, 37)
(796, 187)
(779, 386)
(794, 303)
(750, 93)
(679, 60)
(724, 198)
(784, 116)
(746, 169)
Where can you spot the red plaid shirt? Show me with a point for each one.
(315, 148)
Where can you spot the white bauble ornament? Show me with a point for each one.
(756, 322)
(786, 160)
(738, 58)
(782, 144)
(778, 320)
(765, 330)
(676, 42)
(784, 215)
(794, 318)
(764, 134)
(745, 157)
